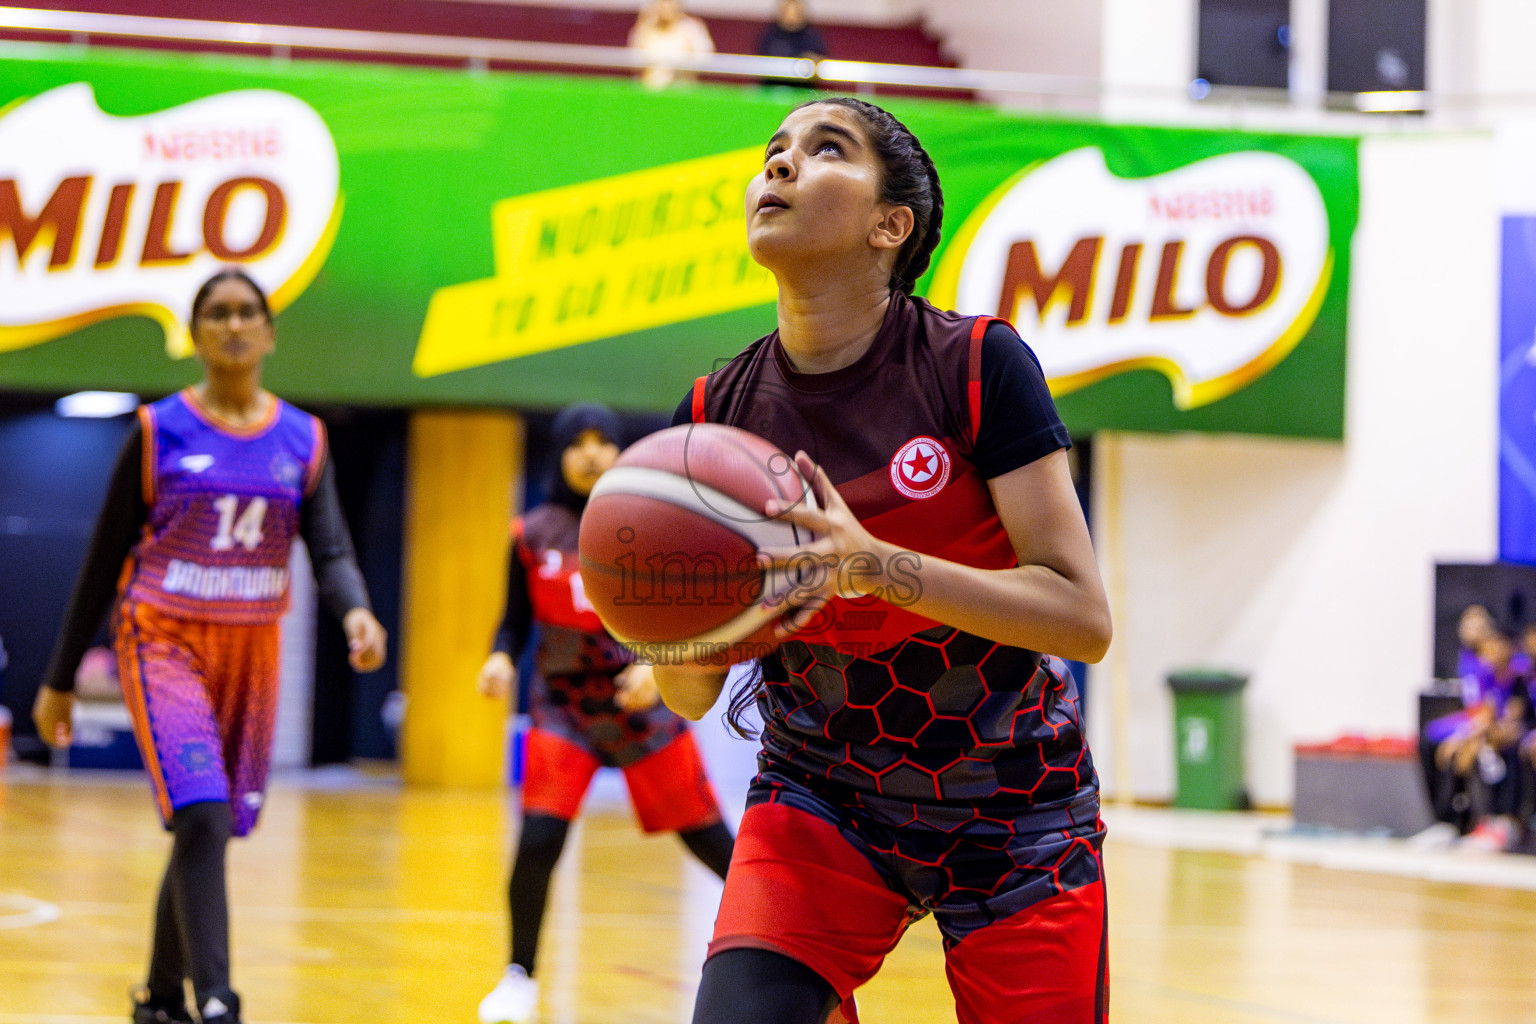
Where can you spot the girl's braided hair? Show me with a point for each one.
(910, 180)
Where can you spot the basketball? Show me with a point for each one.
(670, 539)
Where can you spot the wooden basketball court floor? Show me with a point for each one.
(359, 900)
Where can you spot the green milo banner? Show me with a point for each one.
(437, 238)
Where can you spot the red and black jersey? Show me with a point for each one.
(575, 660)
(877, 698)
(572, 638)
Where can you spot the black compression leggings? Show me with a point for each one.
(755, 986)
(191, 937)
(712, 844)
(538, 849)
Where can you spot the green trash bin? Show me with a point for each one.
(1208, 739)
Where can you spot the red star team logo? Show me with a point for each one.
(920, 468)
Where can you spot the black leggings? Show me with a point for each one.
(756, 986)
(191, 938)
(712, 844)
(538, 849)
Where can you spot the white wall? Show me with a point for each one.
(1310, 565)
(1478, 65)
(1148, 56)
(1044, 37)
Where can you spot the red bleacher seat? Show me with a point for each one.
(901, 44)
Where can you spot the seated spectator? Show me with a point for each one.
(1525, 818)
(1451, 804)
(1476, 749)
(1475, 625)
(667, 32)
(791, 34)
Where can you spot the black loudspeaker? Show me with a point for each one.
(1245, 42)
(1376, 45)
(1506, 589)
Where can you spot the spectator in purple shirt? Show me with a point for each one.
(1478, 746)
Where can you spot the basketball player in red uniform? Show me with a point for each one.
(922, 749)
(592, 706)
(210, 490)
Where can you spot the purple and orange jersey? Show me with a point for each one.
(223, 510)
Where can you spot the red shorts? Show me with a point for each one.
(668, 788)
(203, 698)
(797, 887)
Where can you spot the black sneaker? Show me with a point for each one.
(152, 1011)
(221, 1008)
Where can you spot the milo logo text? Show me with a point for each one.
(104, 216)
(1209, 274)
(60, 226)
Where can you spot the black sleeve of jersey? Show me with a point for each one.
(1018, 418)
(517, 620)
(122, 516)
(684, 412)
(324, 529)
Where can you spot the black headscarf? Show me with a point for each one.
(570, 423)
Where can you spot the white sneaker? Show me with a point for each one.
(1440, 835)
(514, 1000)
(1492, 836)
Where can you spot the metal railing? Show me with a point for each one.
(475, 53)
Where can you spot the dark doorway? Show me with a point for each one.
(368, 452)
(54, 472)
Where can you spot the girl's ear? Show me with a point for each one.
(893, 228)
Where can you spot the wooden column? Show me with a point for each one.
(461, 471)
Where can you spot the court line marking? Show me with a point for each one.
(1267, 836)
(360, 915)
(18, 911)
(1246, 1006)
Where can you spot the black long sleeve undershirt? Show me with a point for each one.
(516, 626)
(120, 523)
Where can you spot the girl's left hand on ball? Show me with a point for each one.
(635, 688)
(841, 560)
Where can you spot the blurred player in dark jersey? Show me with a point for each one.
(923, 749)
(591, 705)
(211, 488)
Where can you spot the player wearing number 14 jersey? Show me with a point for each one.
(211, 489)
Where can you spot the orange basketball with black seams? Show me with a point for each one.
(670, 539)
